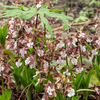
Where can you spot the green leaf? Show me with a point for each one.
(81, 18)
(79, 79)
(77, 82)
(94, 79)
(60, 97)
(42, 11)
(55, 9)
(85, 84)
(12, 13)
(24, 13)
(6, 95)
(5, 31)
(65, 23)
(12, 7)
(98, 59)
(1, 98)
(28, 14)
(53, 14)
(46, 5)
(61, 16)
(3, 34)
(45, 21)
(87, 79)
(92, 2)
(97, 70)
(24, 8)
(89, 47)
(75, 98)
(38, 87)
(11, 54)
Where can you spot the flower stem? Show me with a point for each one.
(67, 62)
(2, 79)
(66, 59)
(85, 90)
(2, 82)
(36, 21)
(37, 61)
(49, 64)
(80, 55)
(49, 60)
(26, 73)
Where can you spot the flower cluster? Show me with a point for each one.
(54, 60)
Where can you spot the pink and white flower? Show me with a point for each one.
(30, 44)
(11, 22)
(74, 61)
(59, 45)
(80, 69)
(39, 5)
(27, 61)
(48, 36)
(32, 66)
(57, 80)
(28, 30)
(15, 45)
(8, 46)
(71, 93)
(23, 52)
(88, 40)
(40, 53)
(74, 41)
(66, 73)
(63, 55)
(98, 42)
(18, 63)
(37, 82)
(83, 48)
(90, 58)
(50, 90)
(94, 52)
(1, 69)
(81, 35)
(59, 61)
(37, 72)
(14, 34)
(46, 64)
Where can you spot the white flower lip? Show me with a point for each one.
(71, 93)
(18, 64)
(27, 61)
(74, 61)
(50, 90)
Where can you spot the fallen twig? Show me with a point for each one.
(24, 90)
(76, 24)
(27, 91)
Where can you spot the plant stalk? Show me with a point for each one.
(49, 64)
(66, 59)
(2, 82)
(36, 21)
(37, 61)
(29, 95)
(85, 90)
(49, 61)
(2, 79)
(80, 55)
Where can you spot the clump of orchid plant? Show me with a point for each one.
(54, 66)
